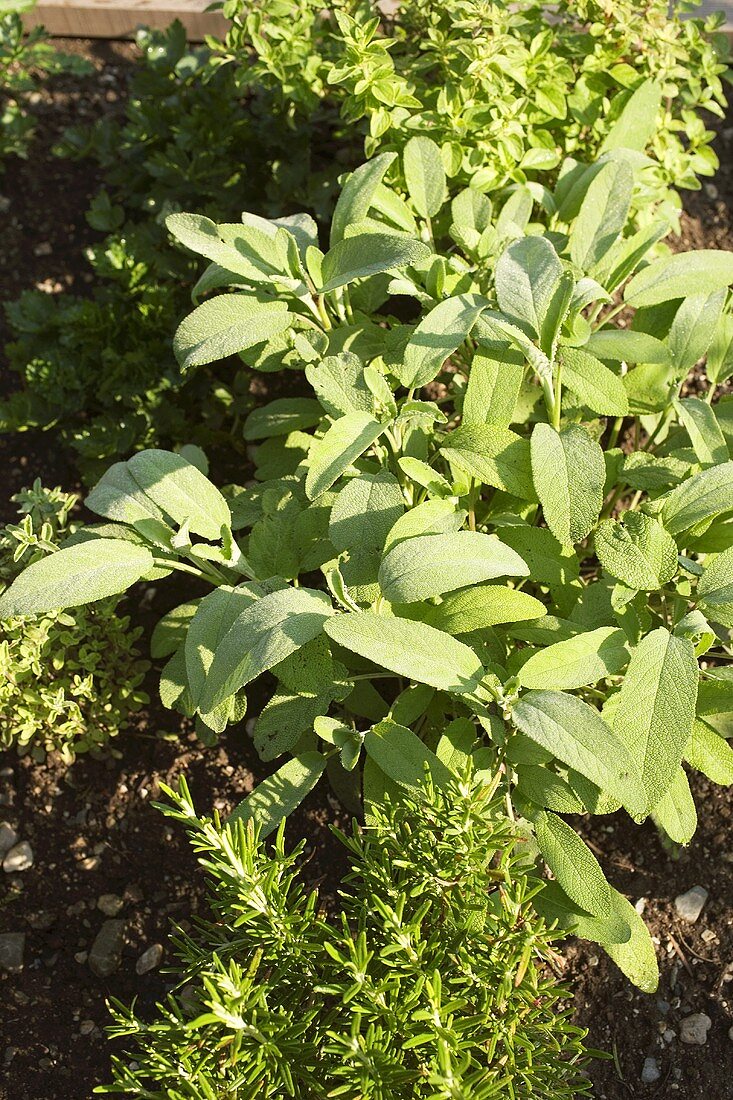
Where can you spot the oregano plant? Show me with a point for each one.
(499, 526)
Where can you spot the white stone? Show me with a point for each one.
(694, 1029)
(651, 1071)
(19, 858)
(689, 906)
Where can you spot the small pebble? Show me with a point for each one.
(708, 936)
(694, 1029)
(86, 1027)
(669, 1035)
(19, 858)
(150, 959)
(106, 953)
(12, 947)
(651, 1071)
(8, 837)
(110, 904)
(689, 906)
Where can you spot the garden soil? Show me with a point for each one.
(101, 848)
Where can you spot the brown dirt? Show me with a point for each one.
(94, 831)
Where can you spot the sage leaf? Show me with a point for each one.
(117, 496)
(76, 575)
(593, 383)
(494, 456)
(675, 812)
(569, 472)
(699, 498)
(573, 864)
(483, 606)
(379, 498)
(715, 588)
(637, 551)
(214, 616)
(527, 276)
(409, 649)
(181, 491)
(628, 346)
(225, 325)
(275, 798)
(710, 753)
(357, 194)
(403, 757)
(655, 708)
(576, 662)
(436, 337)
(424, 175)
(637, 122)
(693, 328)
(700, 422)
(430, 565)
(368, 254)
(282, 416)
(262, 635)
(344, 442)
(602, 215)
(494, 383)
(576, 734)
(678, 276)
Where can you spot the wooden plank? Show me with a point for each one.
(121, 18)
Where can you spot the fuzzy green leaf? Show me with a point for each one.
(494, 456)
(181, 491)
(225, 325)
(368, 254)
(409, 649)
(573, 864)
(637, 551)
(655, 708)
(357, 194)
(575, 733)
(569, 472)
(424, 175)
(678, 276)
(482, 606)
(675, 812)
(402, 755)
(264, 634)
(76, 575)
(699, 498)
(576, 662)
(433, 564)
(715, 588)
(277, 796)
(344, 442)
(602, 215)
(436, 337)
(593, 383)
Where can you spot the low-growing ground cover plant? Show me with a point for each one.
(24, 59)
(69, 680)
(448, 533)
(431, 982)
(507, 90)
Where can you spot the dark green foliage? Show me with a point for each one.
(24, 59)
(433, 982)
(69, 680)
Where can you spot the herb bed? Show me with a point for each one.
(49, 1049)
